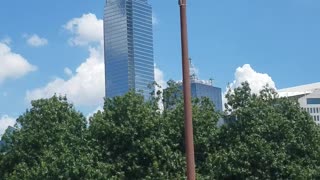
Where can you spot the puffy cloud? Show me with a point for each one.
(85, 30)
(36, 41)
(5, 122)
(85, 88)
(159, 78)
(12, 65)
(256, 80)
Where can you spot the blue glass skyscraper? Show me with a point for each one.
(128, 41)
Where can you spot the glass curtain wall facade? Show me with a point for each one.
(199, 90)
(128, 41)
(203, 90)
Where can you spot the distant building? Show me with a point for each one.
(308, 97)
(199, 89)
(128, 40)
(204, 88)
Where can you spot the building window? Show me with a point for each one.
(317, 110)
(308, 110)
(311, 110)
(314, 118)
(318, 119)
(313, 100)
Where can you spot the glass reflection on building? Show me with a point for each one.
(128, 41)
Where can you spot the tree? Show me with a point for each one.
(205, 119)
(266, 137)
(130, 134)
(144, 142)
(130, 139)
(271, 138)
(50, 143)
(172, 95)
(6, 139)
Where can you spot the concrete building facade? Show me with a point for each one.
(308, 97)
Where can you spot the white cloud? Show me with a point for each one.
(5, 122)
(85, 88)
(155, 20)
(85, 30)
(256, 80)
(159, 78)
(12, 65)
(36, 41)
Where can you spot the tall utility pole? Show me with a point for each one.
(191, 173)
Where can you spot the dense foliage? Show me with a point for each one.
(51, 143)
(271, 138)
(264, 137)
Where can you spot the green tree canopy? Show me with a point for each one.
(271, 138)
(132, 135)
(50, 143)
(144, 142)
(265, 137)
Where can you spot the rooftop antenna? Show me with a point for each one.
(211, 81)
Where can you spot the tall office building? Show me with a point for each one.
(128, 41)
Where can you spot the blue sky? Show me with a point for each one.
(278, 39)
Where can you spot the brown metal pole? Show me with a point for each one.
(191, 173)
